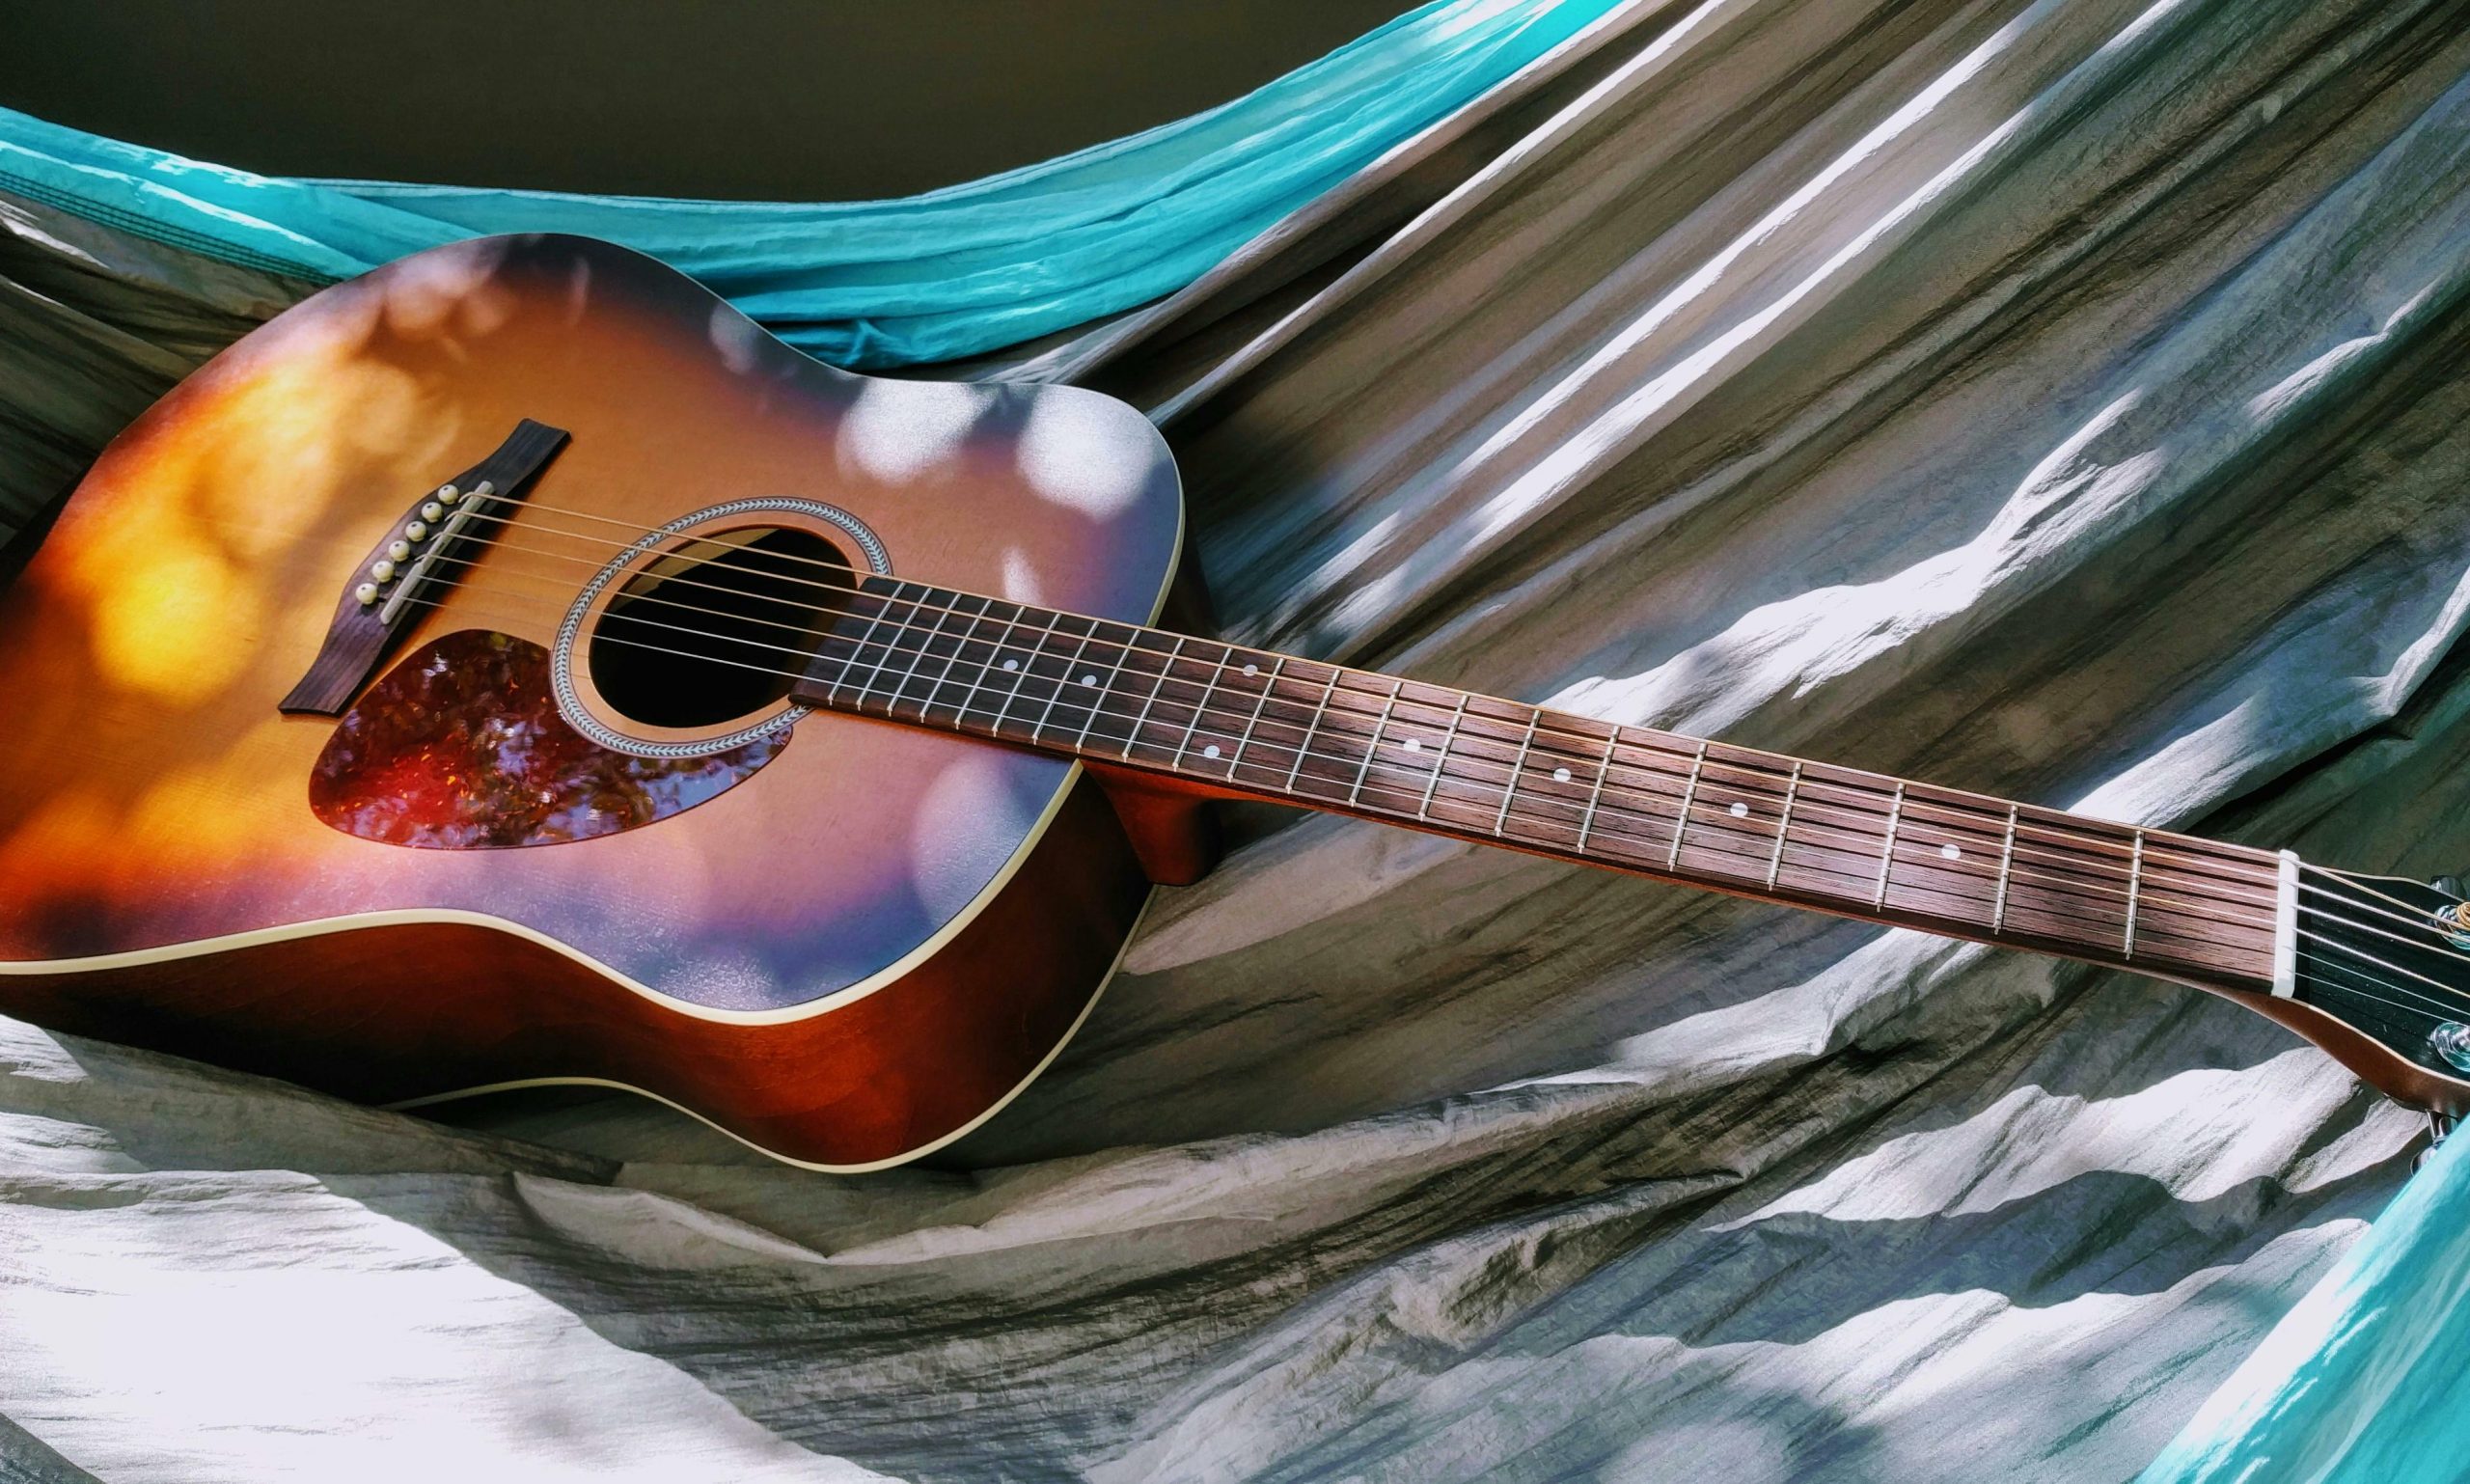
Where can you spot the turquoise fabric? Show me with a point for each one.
(2365, 1382)
(949, 273)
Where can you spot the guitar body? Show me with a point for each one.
(514, 665)
(843, 941)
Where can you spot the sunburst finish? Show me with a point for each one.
(156, 801)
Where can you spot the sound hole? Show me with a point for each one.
(718, 627)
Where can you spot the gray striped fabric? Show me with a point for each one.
(2057, 399)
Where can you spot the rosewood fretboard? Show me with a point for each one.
(1628, 798)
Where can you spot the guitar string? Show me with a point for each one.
(1703, 815)
(1987, 828)
(2230, 853)
(1163, 677)
(524, 505)
(2155, 853)
(2160, 932)
(2420, 918)
(1165, 674)
(1942, 816)
(2440, 1015)
(1751, 861)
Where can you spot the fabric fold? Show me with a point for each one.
(2091, 431)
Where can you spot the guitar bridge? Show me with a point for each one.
(405, 563)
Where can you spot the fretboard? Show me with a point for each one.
(1633, 799)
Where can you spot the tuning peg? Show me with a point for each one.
(2439, 1129)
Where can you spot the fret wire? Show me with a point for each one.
(1104, 685)
(1955, 816)
(892, 650)
(1133, 737)
(1595, 795)
(2225, 951)
(926, 646)
(1305, 746)
(2065, 926)
(2006, 860)
(1783, 824)
(1019, 670)
(960, 711)
(1275, 715)
(2076, 915)
(991, 636)
(1509, 785)
(1887, 857)
(2228, 866)
(1372, 749)
(1441, 759)
(1200, 708)
(2134, 883)
(1061, 680)
(883, 606)
(1028, 666)
(1260, 704)
(2077, 885)
(1564, 812)
(1689, 792)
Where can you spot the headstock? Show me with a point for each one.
(2387, 962)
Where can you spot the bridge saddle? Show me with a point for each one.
(387, 582)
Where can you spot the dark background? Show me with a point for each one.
(760, 99)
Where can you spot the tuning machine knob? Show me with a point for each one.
(2451, 1041)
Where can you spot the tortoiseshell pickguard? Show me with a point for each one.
(460, 747)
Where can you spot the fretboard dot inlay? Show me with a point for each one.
(1467, 766)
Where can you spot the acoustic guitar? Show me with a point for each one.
(516, 667)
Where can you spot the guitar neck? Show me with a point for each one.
(1634, 799)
